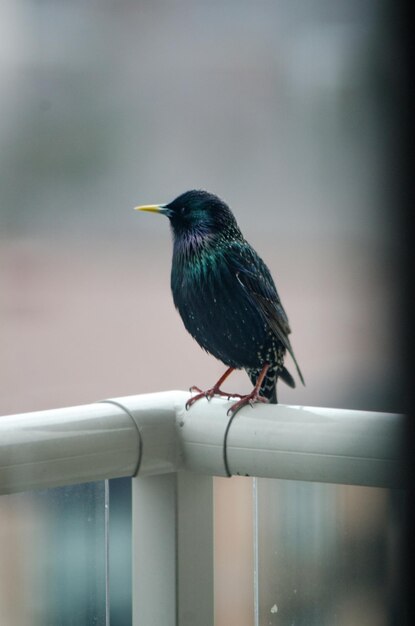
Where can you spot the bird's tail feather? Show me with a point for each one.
(273, 396)
(287, 378)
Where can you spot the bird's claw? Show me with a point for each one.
(251, 399)
(243, 400)
(201, 394)
(208, 394)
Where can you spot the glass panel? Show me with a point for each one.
(328, 554)
(234, 553)
(52, 556)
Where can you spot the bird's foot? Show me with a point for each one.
(214, 391)
(209, 394)
(251, 399)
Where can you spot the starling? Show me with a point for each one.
(226, 297)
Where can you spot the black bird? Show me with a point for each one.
(226, 297)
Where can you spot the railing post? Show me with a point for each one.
(154, 550)
(195, 549)
(173, 550)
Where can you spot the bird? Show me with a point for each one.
(226, 297)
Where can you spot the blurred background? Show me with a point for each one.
(287, 110)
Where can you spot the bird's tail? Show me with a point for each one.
(273, 395)
(287, 378)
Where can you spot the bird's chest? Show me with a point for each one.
(195, 279)
(215, 311)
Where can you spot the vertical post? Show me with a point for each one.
(173, 550)
(195, 549)
(154, 550)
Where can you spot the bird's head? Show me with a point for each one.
(196, 212)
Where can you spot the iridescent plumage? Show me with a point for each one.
(225, 294)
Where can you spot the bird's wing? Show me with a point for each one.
(256, 280)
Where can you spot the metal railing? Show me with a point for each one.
(173, 454)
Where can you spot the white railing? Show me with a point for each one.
(173, 454)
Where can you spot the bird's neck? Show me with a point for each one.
(192, 244)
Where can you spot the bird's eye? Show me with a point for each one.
(183, 210)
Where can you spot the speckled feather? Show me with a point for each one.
(224, 292)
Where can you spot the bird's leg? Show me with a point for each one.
(252, 397)
(214, 391)
(216, 387)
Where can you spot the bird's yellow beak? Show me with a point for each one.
(152, 208)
